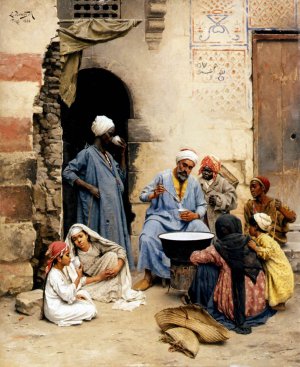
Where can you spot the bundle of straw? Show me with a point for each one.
(182, 340)
(193, 318)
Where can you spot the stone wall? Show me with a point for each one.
(47, 143)
(26, 30)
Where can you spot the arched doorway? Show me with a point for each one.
(99, 92)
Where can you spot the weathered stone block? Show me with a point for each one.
(30, 303)
(53, 119)
(15, 278)
(39, 196)
(137, 181)
(135, 248)
(16, 202)
(19, 166)
(17, 241)
(139, 210)
(17, 99)
(21, 67)
(139, 130)
(15, 134)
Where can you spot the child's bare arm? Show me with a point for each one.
(252, 244)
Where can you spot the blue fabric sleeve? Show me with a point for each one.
(147, 190)
(78, 165)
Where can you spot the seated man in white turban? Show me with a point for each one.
(170, 191)
(100, 179)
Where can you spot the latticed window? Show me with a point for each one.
(97, 8)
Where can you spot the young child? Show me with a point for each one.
(279, 273)
(64, 303)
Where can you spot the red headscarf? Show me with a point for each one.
(212, 162)
(265, 183)
(55, 250)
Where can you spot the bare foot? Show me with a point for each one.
(279, 307)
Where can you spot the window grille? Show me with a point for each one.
(97, 8)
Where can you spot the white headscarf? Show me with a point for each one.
(263, 220)
(130, 298)
(187, 154)
(77, 228)
(101, 125)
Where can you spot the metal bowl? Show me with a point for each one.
(178, 246)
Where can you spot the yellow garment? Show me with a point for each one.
(179, 187)
(279, 273)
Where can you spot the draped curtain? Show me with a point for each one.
(80, 35)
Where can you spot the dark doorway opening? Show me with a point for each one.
(99, 92)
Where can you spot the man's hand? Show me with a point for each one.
(188, 216)
(95, 191)
(122, 144)
(160, 189)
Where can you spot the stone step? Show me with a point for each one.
(292, 252)
(293, 236)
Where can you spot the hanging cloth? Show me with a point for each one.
(80, 35)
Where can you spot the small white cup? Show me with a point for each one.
(116, 140)
(76, 262)
(181, 210)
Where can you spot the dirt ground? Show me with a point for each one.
(131, 339)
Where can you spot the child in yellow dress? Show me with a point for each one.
(279, 273)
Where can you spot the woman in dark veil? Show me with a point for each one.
(229, 281)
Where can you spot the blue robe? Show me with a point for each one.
(163, 216)
(106, 215)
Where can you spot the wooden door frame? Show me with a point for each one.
(258, 37)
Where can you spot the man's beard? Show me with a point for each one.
(182, 176)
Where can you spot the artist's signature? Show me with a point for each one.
(25, 16)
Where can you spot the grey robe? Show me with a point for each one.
(106, 215)
(226, 199)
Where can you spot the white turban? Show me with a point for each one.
(187, 154)
(263, 220)
(101, 125)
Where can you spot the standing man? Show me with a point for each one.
(170, 191)
(220, 195)
(100, 179)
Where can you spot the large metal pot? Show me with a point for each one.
(178, 246)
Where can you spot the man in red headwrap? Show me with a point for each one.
(220, 195)
(280, 214)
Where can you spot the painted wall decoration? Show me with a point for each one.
(272, 14)
(220, 79)
(218, 22)
(219, 49)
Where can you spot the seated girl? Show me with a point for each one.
(64, 303)
(279, 273)
(105, 259)
(229, 281)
